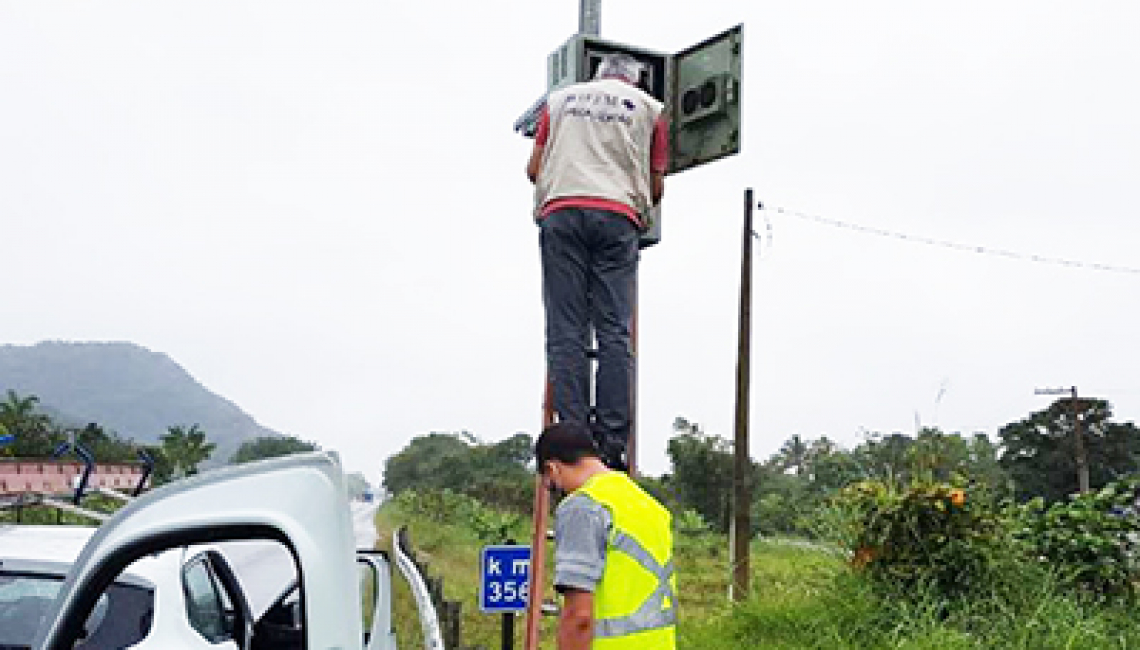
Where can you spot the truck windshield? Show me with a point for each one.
(122, 616)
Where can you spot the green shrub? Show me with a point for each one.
(690, 522)
(1091, 538)
(488, 524)
(925, 534)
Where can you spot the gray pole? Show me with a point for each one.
(590, 17)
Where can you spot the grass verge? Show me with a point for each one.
(804, 597)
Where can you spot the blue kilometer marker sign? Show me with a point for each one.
(504, 578)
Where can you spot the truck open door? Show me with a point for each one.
(299, 501)
(376, 599)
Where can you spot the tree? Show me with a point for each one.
(105, 447)
(784, 503)
(702, 472)
(793, 454)
(495, 473)
(356, 485)
(780, 502)
(831, 467)
(185, 448)
(936, 456)
(886, 457)
(5, 440)
(19, 414)
(985, 466)
(21, 418)
(437, 460)
(163, 471)
(1039, 451)
(270, 447)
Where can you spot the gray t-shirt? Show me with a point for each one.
(581, 528)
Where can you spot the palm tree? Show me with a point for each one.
(186, 448)
(5, 439)
(683, 426)
(18, 414)
(794, 453)
(31, 430)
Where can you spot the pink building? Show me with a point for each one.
(60, 477)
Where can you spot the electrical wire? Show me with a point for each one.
(982, 250)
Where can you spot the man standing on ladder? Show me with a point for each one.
(600, 154)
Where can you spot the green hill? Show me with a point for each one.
(124, 388)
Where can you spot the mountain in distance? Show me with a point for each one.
(124, 388)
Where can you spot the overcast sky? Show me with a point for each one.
(319, 210)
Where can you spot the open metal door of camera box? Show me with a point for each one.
(705, 101)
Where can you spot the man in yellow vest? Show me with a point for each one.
(613, 554)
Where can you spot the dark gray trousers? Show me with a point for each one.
(589, 276)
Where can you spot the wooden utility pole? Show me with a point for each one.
(742, 463)
(1081, 456)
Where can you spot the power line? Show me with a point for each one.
(981, 250)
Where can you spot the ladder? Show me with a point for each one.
(537, 587)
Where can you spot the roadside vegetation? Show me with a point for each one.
(931, 541)
(907, 569)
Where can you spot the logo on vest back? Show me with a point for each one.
(599, 107)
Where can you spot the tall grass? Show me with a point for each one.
(804, 597)
(801, 607)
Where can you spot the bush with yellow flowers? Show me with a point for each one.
(926, 533)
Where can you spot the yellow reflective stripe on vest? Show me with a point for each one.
(651, 614)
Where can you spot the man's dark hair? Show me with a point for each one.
(567, 442)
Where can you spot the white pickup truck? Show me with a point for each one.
(298, 502)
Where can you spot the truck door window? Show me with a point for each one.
(121, 616)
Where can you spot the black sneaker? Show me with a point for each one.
(613, 455)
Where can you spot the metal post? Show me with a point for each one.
(742, 465)
(508, 631)
(590, 17)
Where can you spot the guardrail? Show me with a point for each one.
(447, 632)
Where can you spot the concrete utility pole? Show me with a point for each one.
(1082, 458)
(742, 463)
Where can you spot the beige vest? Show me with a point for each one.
(599, 144)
